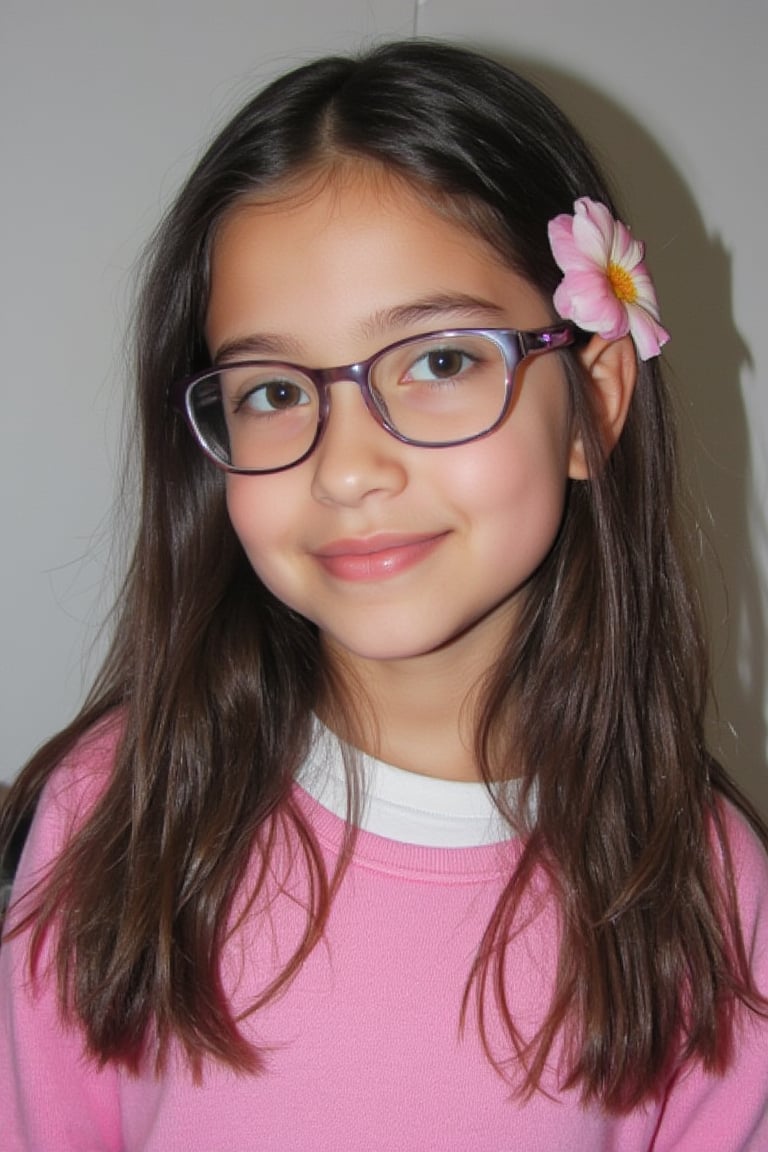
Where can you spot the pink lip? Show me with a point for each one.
(376, 557)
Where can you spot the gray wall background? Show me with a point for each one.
(103, 108)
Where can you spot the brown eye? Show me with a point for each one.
(435, 364)
(275, 396)
(283, 394)
(445, 362)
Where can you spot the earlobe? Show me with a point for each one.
(611, 366)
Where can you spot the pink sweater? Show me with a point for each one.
(365, 1053)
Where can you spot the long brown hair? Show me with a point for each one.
(213, 681)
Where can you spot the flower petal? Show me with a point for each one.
(588, 301)
(592, 240)
(598, 215)
(565, 250)
(626, 251)
(646, 293)
(646, 332)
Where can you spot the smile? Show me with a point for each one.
(377, 557)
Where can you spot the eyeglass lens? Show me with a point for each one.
(439, 390)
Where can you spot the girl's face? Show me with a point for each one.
(395, 552)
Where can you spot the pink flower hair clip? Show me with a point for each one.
(606, 287)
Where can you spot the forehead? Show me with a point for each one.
(348, 195)
(342, 247)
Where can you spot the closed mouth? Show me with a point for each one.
(376, 557)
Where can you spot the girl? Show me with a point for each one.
(389, 822)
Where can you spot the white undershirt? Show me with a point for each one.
(400, 805)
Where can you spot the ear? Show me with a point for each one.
(611, 366)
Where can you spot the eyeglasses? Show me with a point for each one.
(431, 391)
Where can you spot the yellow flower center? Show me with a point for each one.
(622, 283)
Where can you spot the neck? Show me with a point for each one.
(418, 714)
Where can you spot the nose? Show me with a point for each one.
(356, 458)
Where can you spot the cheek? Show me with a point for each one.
(255, 513)
(514, 491)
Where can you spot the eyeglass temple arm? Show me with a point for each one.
(549, 339)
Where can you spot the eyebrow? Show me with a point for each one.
(445, 306)
(385, 321)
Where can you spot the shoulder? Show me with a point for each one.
(51, 1094)
(85, 770)
(68, 798)
(728, 1109)
(748, 861)
(82, 775)
(746, 853)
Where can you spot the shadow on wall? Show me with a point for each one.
(703, 362)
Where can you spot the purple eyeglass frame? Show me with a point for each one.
(515, 345)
